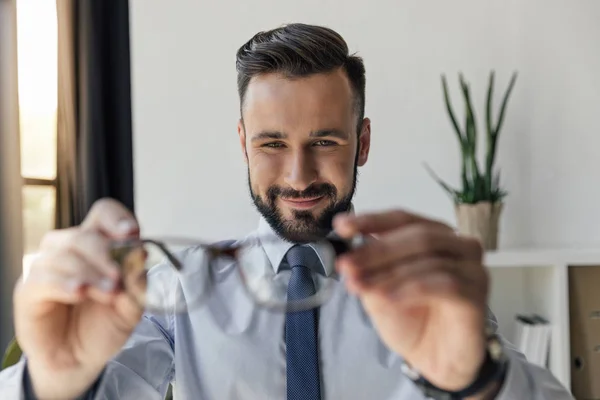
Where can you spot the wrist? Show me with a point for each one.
(463, 371)
(485, 384)
(50, 383)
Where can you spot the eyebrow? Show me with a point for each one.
(315, 134)
(268, 135)
(330, 133)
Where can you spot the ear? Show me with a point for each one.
(242, 135)
(364, 142)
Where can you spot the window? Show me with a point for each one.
(38, 77)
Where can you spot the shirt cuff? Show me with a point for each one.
(29, 393)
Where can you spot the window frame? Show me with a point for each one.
(31, 181)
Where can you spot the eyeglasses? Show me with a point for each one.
(174, 275)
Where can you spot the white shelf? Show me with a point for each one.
(542, 257)
(530, 280)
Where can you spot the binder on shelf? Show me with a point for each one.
(532, 338)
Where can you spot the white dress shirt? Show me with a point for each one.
(230, 349)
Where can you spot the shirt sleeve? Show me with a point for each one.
(524, 380)
(143, 368)
(528, 381)
(11, 382)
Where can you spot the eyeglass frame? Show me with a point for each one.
(121, 248)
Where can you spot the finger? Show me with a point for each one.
(112, 218)
(406, 244)
(70, 269)
(101, 295)
(394, 275)
(422, 288)
(472, 281)
(129, 308)
(436, 285)
(63, 278)
(347, 225)
(91, 245)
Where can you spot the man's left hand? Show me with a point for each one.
(425, 289)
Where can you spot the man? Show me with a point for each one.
(412, 323)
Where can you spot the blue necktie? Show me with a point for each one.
(301, 329)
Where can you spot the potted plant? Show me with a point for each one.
(479, 202)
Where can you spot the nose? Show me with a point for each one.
(301, 170)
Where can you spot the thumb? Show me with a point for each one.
(345, 226)
(112, 218)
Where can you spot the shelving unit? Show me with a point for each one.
(536, 281)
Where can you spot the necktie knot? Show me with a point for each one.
(301, 259)
(303, 256)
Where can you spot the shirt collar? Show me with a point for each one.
(277, 248)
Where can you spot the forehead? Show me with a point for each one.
(319, 101)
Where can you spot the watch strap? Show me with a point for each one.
(493, 369)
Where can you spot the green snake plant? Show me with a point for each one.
(478, 185)
(12, 354)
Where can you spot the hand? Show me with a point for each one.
(425, 289)
(70, 318)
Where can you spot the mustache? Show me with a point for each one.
(316, 190)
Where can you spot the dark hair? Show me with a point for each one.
(298, 50)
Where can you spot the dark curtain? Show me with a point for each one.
(95, 121)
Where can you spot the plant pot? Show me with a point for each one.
(481, 221)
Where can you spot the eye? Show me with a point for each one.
(325, 143)
(273, 145)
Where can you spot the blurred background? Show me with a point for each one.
(137, 100)
(189, 174)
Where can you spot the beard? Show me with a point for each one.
(303, 227)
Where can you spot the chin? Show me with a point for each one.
(291, 212)
(301, 232)
(302, 218)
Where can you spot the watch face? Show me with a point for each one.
(495, 349)
(411, 373)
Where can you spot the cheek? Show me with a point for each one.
(264, 170)
(338, 170)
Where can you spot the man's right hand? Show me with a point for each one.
(70, 317)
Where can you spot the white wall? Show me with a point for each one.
(190, 178)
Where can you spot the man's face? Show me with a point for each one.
(300, 140)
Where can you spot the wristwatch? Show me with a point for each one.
(493, 369)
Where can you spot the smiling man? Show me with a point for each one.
(408, 321)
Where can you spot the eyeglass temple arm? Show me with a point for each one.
(121, 249)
